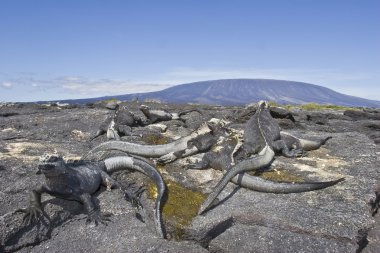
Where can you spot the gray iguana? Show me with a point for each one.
(154, 116)
(79, 181)
(261, 140)
(119, 124)
(180, 148)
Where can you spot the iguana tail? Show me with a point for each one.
(122, 162)
(262, 185)
(312, 145)
(306, 145)
(260, 160)
(152, 151)
(97, 134)
(236, 175)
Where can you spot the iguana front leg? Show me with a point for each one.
(172, 156)
(131, 193)
(280, 145)
(108, 181)
(200, 165)
(34, 210)
(94, 214)
(200, 144)
(204, 163)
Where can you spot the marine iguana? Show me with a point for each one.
(79, 181)
(112, 132)
(249, 110)
(261, 140)
(154, 116)
(103, 128)
(182, 147)
(119, 124)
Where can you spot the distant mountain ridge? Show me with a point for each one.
(244, 91)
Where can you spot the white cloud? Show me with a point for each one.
(105, 87)
(7, 85)
(81, 86)
(72, 78)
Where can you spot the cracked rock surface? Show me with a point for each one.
(335, 219)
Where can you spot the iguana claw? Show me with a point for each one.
(168, 158)
(298, 152)
(97, 218)
(133, 195)
(31, 213)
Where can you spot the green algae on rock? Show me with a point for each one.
(154, 139)
(278, 175)
(180, 207)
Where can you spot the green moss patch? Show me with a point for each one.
(108, 101)
(313, 106)
(278, 176)
(155, 139)
(181, 206)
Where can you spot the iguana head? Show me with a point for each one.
(218, 122)
(144, 109)
(50, 164)
(263, 104)
(219, 126)
(202, 130)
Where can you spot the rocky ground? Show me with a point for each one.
(336, 219)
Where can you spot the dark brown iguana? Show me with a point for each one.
(261, 140)
(79, 181)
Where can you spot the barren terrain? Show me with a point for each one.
(335, 219)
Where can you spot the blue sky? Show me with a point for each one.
(76, 48)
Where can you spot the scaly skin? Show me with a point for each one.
(184, 144)
(305, 145)
(79, 181)
(154, 116)
(256, 162)
(116, 163)
(119, 124)
(262, 185)
(262, 138)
